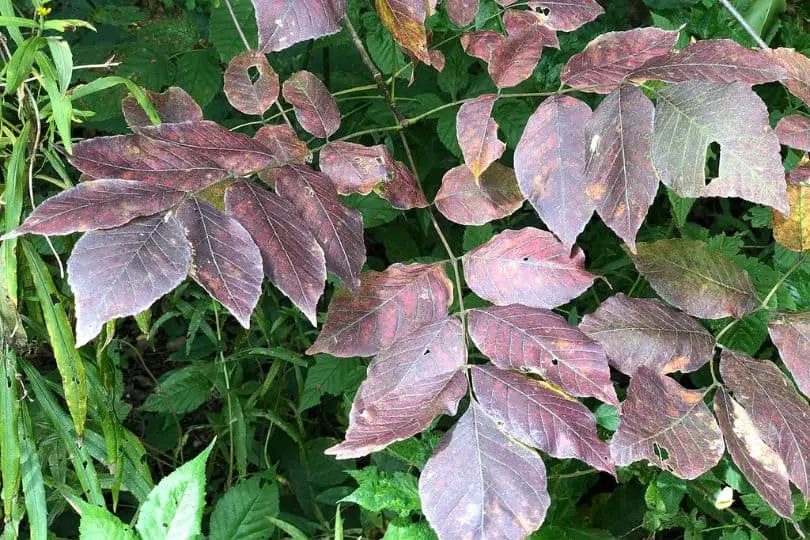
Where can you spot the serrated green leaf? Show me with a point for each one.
(242, 512)
(180, 391)
(97, 522)
(223, 34)
(199, 73)
(330, 375)
(377, 490)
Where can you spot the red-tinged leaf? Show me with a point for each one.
(292, 258)
(461, 12)
(478, 133)
(337, 228)
(401, 188)
(700, 282)
(437, 60)
(714, 60)
(315, 108)
(518, 20)
(550, 275)
(622, 179)
(790, 332)
(639, 332)
(354, 168)
(609, 58)
(779, 414)
(515, 60)
(797, 67)
(668, 425)
(758, 462)
(99, 204)
(541, 342)
(407, 387)
(567, 15)
(482, 44)
(226, 262)
(245, 94)
(174, 105)
(283, 23)
(541, 416)
(121, 272)
(550, 166)
(388, 306)
(690, 116)
(794, 131)
(284, 146)
(463, 200)
(405, 19)
(189, 156)
(481, 484)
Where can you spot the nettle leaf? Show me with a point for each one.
(354, 168)
(461, 12)
(667, 425)
(478, 134)
(314, 107)
(174, 105)
(797, 67)
(97, 204)
(794, 131)
(702, 283)
(541, 416)
(401, 188)
(790, 333)
(292, 258)
(388, 306)
(550, 166)
(245, 94)
(714, 60)
(242, 511)
(189, 156)
(541, 342)
(551, 275)
(640, 332)
(122, 271)
(622, 180)
(514, 61)
(284, 145)
(283, 23)
(405, 19)
(610, 57)
(226, 261)
(758, 462)
(793, 231)
(482, 44)
(691, 115)
(408, 385)
(337, 228)
(481, 484)
(518, 20)
(464, 200)
(779, 414)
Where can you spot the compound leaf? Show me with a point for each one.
(790, 332)
(494, 196)
(314, 107)
(283, 23)
(245, 94)
(478, 134)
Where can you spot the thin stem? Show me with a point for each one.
(227, 392)
(747, 27)
(237, 25)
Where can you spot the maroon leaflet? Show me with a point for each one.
(541, 342)
(609, 58)
(407, 386)
(388, 306)
(98, 204)
(226, 262)
(790, 332)
(667, 425)
(514, 61)
(518, 20)
(540, 415)
(691, 115)
(480, 484)
(794, 131)
(550, 274)
(291, 257)
(797, 66)
(315, 108)
(283, 23)
(780, 416)
(401, 189)
(623, 182)
(354, 168)
(246, 95)
(482, 44)
(461, 12)
(336, 227)
(284, 146)
(122, 271)
(478, 133)
(550, 166)
(567, 15)
(173, 105)
(463, 200)
(758, 462)
(639, 332)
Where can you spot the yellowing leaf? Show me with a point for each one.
(405, 19)
(793, 231)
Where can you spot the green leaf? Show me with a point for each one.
(199, 73)
(555, 532)
(293, 531)
(175, 506)
(330, 375)
(105, 83)
(377, 491)
(97, 522)
(455, 76)
(681, 206)
(20, 64)
(33, 484)
(376, 211)
(381, 46)
(475, 236)
(760, 509)
(180, 391)
(607, 416)
(222, 32)
(13, 199)
(446, 130)
(62, 60)
(409, 531)
(242, 512)
(763, 16)
(9, 430)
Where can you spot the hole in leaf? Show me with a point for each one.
(712, 162)
(427, 352)
(253, 74)
(525, 259)
(660, 452)
(554, 361)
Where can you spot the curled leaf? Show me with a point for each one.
(790, 332)
(494, 196)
